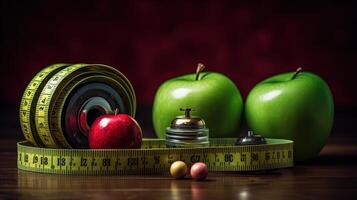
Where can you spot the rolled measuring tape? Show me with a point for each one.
(155, 158)
(62, 100)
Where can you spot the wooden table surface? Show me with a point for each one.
(333, 175)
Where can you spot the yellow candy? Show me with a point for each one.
(178, 169)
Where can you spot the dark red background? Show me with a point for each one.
(152, 41)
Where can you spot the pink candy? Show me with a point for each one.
(199, 171)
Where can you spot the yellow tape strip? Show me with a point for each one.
(29, 100)
(43, 100)
(154, 157)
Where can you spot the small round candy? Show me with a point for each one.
(199, 171)
(178, 169)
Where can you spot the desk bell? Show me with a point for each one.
(187, 131)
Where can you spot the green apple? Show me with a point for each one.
(212, 96)
(296, 106)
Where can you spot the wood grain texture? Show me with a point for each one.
(333, 175)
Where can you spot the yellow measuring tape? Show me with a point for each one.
(53, 100)
(154, 157)
(62, 100)
(29, 100)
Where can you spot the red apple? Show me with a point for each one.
(119, 131)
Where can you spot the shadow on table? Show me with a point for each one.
(331, 160)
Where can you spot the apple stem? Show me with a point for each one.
(298, 71)
(199, 69)
(116, 111)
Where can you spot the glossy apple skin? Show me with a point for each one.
(115, 132)
(301, 110)
(214, 98)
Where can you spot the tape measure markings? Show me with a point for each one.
(276, 154)
(50, 94)
(29, 100)
(47, 100)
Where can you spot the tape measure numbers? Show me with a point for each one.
(29, 100)
(62, 100)
(154, 157)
